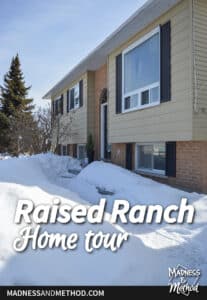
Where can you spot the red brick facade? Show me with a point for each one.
(191, 165)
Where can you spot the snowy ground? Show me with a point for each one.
(143, 260)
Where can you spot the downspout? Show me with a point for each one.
(195, 78)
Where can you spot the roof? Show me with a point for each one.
(145, 15)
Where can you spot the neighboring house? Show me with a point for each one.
(144, 95)
(74, 116)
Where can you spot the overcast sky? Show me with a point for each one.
(52, 36)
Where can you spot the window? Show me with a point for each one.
(141, 73)
(58, 105)
(75, 97)
(151, 157)
(64, 150)
(81, 152)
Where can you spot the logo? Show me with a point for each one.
(183, 280)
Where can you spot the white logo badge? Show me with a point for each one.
(183, 280)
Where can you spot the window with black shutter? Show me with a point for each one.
(129, 156)
(165, 62)
(75, 96)
(56, 107)
(119, 84)
(171, 159)
(71, 99)
(81, 93)
(61, 104)
(143, 71)
(53, 108)
(58, 149)
(68, 100)
(151, 158)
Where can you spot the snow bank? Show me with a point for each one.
(37, 167)
(130, 186)
(29, 178)
(4, 156)
(143, 260)
(56, 166)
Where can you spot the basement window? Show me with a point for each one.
(81, 152)
(64, 150)
(151, 158)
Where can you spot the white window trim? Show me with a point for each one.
(143, 170)
(80, 145)
(58, 98)
(138, 91)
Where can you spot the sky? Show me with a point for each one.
(52, 36)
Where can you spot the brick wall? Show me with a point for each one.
(118, 154)
(70, 149)
(100, 83)
(191, 167)
(191, 164)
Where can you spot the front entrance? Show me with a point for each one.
(104, 134)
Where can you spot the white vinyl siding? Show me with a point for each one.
(200, 69)
(170, 121)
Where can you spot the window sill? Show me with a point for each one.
(150, 173)
(74, 109)
(140, 108)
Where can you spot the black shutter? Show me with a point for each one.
(74, 150)
(56, 107)
(68, 149)
(61, 104)
(171, 159)
(165, 62)
(58, 150)
(64, 150)
(81, 92)
(72, 99)
(53, 108)
(129, 156)
(68, 100)
(119, 84)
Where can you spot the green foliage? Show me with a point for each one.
(90, 144)
(15, 110)
(14, 92)
(4, 137)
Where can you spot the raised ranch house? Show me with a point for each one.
(142, 94)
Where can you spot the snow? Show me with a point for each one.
(143, 260)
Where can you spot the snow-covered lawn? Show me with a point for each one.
(143, 260)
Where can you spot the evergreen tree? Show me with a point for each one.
(15, 108)
(4, 129)
(14, 92)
